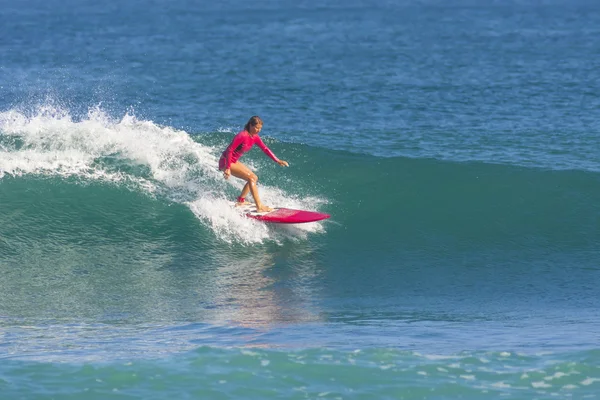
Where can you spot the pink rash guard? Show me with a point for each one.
(241, 143)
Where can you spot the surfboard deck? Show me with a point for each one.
(281, 215)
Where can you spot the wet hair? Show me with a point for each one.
(253, 121)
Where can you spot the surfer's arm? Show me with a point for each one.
(266, 150)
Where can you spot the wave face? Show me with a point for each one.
(63, 166)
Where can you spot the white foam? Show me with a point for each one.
(143, 156)
(588, 381)
(226, 222)
(557, 375)
(540, 384)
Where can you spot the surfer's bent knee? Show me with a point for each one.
(253, 179)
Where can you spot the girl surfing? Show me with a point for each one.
(230, 165)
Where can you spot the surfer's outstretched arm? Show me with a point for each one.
(269, 153)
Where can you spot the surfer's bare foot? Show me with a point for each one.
(263, 209)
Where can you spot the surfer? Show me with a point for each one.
(229, 164)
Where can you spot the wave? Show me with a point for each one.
(140, 155)
(375, 199)
(427, 201)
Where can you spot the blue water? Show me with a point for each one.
(454, 145)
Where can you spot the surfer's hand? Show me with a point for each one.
(226, 173)
(283, 163)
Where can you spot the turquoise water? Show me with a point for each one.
(455, 146)
(258, 374)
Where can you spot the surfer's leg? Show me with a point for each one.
(241, 171)
(245, 192)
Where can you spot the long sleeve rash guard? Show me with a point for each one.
(241, 143)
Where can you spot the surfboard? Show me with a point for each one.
(281, 215)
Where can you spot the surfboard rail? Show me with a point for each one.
(282, 215)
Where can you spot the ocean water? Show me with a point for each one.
(456, 146)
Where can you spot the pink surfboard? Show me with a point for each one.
(283, 215)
